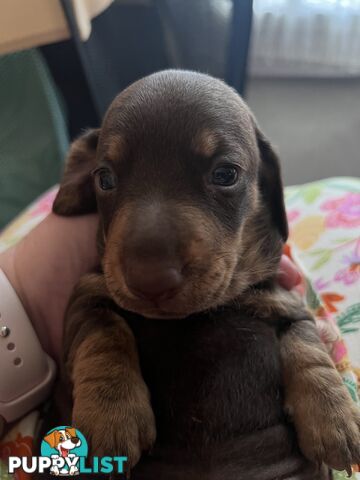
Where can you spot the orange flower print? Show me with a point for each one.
(287, 250)
(351, 273)
(21, 447)
(330, 299)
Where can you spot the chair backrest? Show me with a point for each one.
(33, 132)
(209, 35)
(205, 35)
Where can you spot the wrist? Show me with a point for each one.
(9, 261)
(8, 264)
(27, 373)
(44, 267)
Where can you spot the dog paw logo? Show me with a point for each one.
(64, 446)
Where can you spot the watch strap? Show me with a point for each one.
(26, 371)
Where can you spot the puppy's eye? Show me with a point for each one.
(106, 179)
(224, 176)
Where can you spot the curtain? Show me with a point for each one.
(315, 38)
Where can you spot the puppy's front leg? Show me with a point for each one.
(327, 421)
(111, 401)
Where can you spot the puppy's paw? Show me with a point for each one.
(116, 422)
(328, 428)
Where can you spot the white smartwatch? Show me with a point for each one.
(27, 373)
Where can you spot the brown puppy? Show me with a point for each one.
(192, 224)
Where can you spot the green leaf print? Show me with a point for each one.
(317, 251)
(311, 193)
(349, 321)
(4, 475)
(351, 385)
(343, 240)
(312, 298)
(323, 258)
(342, 476)
(349, 330)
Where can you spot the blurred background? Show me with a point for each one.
(296, 62)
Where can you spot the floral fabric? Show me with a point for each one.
(324, 220)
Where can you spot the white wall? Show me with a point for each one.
(315, 125)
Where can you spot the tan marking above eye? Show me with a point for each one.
(114, 147)
(205, 143)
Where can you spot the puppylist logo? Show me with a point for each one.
(64, 452)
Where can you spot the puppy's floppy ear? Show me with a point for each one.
(270, 182)
(77, 195)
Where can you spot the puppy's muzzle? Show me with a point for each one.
(152, 261)
(153, 280)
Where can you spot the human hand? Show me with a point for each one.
(288, 275)
(44, 267)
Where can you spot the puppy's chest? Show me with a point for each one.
(210, 378)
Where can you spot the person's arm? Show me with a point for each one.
(44, 268)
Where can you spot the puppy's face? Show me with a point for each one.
(188, 191)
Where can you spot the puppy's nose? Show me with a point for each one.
(75, 440)
(151, 256)
(153, 282)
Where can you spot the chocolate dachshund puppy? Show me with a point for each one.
(182, 351)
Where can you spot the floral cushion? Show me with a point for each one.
(324, 219)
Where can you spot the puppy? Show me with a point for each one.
(182, 342)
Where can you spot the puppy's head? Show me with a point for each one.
(188, 191)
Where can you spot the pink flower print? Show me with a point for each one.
(343, 211)
(320, 284)
(292, 215)
(339, 351)
(44, 205)
(351, 273)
